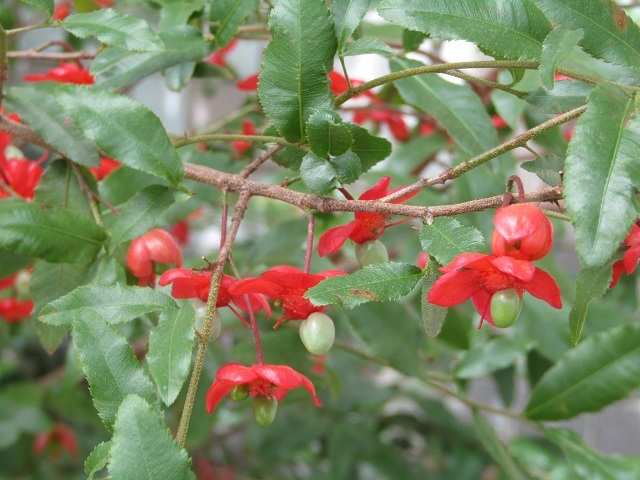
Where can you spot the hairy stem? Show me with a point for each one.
(228, 137)
(311, 226)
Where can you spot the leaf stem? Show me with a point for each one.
(228, 137)
(256, 332)
(15, 31)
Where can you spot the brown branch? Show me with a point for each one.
(56, 56)
(23, 132)
(254, 165)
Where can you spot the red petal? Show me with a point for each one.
(256, 285)
(286, 378)
(139, 259)
(544, 287)
(515, 222)
(454, 288)
(217, 392)
(249, 84)
(520, 269)
(331, 240)
(379, 190)
(174, 274)
(482, 302)
(465, 259)
(616, 273)
(236, 373)
(162, 247)
(631, 258)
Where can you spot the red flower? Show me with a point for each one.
(13, 311)
(154, 246)
(7, 281)
(498, 122)
(631, 256)
(422, 260)
(219, 57)
(426, 129)
(393, 120)
(248, 128)
(20, 175)
(107, 165)
(65, 73)
(59, 438)
(366, 226)
(249, 84)
(287, 285)
(261, 380)
(522, 232)
(479, 276)
(339, 85)
(62, 10)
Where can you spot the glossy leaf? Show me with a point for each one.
(494, 355)
(114, 303)
(368, 46)
(433, 316)
(143, 447)
(97, 459)
(327, 135)
(447, 238)
(369, 148)
(141, 213)
(107, 361)
(565, 96)
(123, 129)
(55, 235)
(40, 111)
(507, 29)
(457, 108)
(547, 168)
(45, 5)
(347, 15)
(170, 346)
(558, 43)
(378, 282)
(115, 29)
(227, 15)
(59, 187)
(609, 33)
(321, 175)
(602, 214)
(630, 145)
(293, 77)
(602, 369)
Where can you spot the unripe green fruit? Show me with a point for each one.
(216, 324)
(317, 333)
(505, 307)
(239, 393)
(264, 410)
(371, 251)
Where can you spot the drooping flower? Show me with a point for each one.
(287, 285)
(65, 73)
(20, 175)
(366, 226)
(393, 120)
(107, 165)
(522, 231)
(260, 380)
(13, 310)
(630, 259)
(248, 128)
(154, 246)
(478, 277)
(219, 57)
(60, 437)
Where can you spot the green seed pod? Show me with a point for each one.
(239, 393)
(371, 251)
(505, 307)
(264, 410)
(317, 333)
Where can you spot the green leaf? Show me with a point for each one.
(368, 46)
(369, 148)
(46, 5)
(347, 15)
(547, 168)
(630, 145)
(170, 346)
(143, 447)
(293, 77)
(565, 96)
(433, 316)
(54, 234)
(602, 369)
(97, 459)
(115, 29)
(602, 214)
(39, 110)
(59, 187)
(115, 67)
(411, 40)
(113, 372)
(114, 303)
(591, 283)
(11, 263)
(141, 213)
(587, 463)
(321, 175)
(378, 282)
(457, 108)
(609, 33)
(496, 448)
(124, 129)
(558, 43)
(494, 355)
(178, 14)
(446, 238)
(227, 15)
(327, 135)
(507, 29)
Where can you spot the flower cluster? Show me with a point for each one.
(523, 233)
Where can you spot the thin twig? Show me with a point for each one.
(255, 164)
(93, 205)
(311, 226)
(228, 137)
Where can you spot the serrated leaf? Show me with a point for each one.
(558, 43)
(327, 135)
(368, 46)
(379, 282)
(40, 111)
(226, 17)
(433, 316)
(547, 168)
(170, 346)
(178, 14)
(114, 303)
(115, 29)
(143, 447)
(456, 107)
(347, 15)
(59, 187)
(609, 33)
(97, 459)
(113, 372)
(565, 96)
(53, 234)
(115, 67)
(507, 29)
(446, 238)
(293, 76)
(123, 129)
(321, 175)
(630, 145)
(591, 283)
(602, 369)
(494, 355)
(141, 213)
(46, 5)
(411, 40)
(602, 214)
(369, 148)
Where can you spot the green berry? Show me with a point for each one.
(264, 410)
(505, 307)
(371, 251)
(317, 333)
(239, 393)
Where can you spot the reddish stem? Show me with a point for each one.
(404, 220)
(256, 333)
(506, 199)
(346, 194)
(311, 226)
